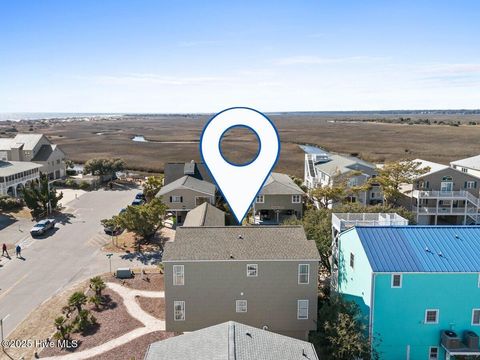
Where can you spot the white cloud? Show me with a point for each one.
(318, 60)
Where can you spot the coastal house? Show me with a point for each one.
(262, 276)
(14, 175)
(326, 169)
(185, 194)
(443, 195)
(279, 199)
(35, 148)
(417, 287)
(470, 165)
(231, 341)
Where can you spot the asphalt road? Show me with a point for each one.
(68, 255)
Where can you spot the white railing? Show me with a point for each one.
(432, 210)
(441, 194)
(18, 181)
(343, 221)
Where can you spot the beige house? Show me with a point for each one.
(185, 194)
(35, 148)
(444, 196)
(14, 175)
(263, 276)
(279, 199)
(231, 341)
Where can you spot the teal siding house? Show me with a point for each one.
(418, 287)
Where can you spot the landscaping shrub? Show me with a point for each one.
(10, 204)
(84, 185)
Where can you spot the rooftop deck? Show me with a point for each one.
(344, 221)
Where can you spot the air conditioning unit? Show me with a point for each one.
(450, 340)
(470, 339)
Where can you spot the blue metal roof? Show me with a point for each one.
(422, 248)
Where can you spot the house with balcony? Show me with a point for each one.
(279, 199)
(35, 148)
(443, 196)
(327, 169)
(418, 288)
(14, 175)
(185, 194)
(261, 276)
(231, 341)
(344, 221)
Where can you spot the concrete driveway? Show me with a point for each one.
(68, 255)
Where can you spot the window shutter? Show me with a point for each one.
(170, 199)
(465, 185)
(475, 184)
(181, 198)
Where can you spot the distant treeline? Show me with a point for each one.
(410, 121)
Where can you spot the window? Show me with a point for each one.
(352, 260)
(476, 317)
(176, 199)
(296, 199)
(260, 199)
(303, 273)
(302, 309)
(179, 310)
(470, 184)
(252, 270)
(178, 275)
(431, 316)
(241, 306)
(396, 280)
(465, 170)
(433, 353)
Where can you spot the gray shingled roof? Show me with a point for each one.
(188, 182)
(8, 168)
(280, 184)
(175, 171)
(240, 243)
(205, 215)
(44, 153)
(341, 164)
(29, 141)
(231, 341)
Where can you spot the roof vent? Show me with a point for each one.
(457, 237)
(231, 256)
(428, 250)
(248, 334)
(240, 237)
(304, 354)
(440, 254)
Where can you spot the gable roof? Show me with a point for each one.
(190, 183)
(205, 215)
(341, 164)
(44, 153)
(472, 162)
(231, 341)
(434, 167)
(175, 171)
(240, 243)
(280, 184)
(421, 248)
(25, 141)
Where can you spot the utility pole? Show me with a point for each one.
(109, 256)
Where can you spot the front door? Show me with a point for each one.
(446, 186)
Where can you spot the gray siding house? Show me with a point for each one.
(185, 194)
(279, 199)
(231, 341)
(326, 169)
(35, 148)
(444, 196)
(263, 276)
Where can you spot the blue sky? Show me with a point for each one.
(186, 56)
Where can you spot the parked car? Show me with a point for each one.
(140, 196)
(137, 202)
(42, 227)
(112, 231)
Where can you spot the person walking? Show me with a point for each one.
(4, 250)
(18, 251)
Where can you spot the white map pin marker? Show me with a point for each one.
(240, 184)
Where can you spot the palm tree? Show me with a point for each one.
(97, 285)
(77, 300)
(63, 329)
